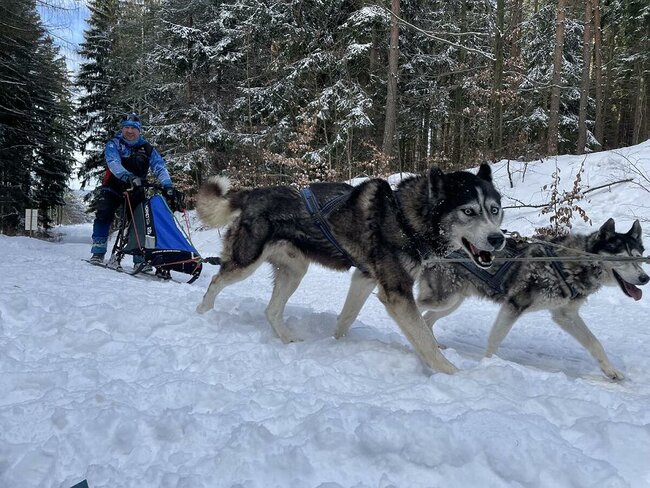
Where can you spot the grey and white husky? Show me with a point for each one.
(524, 286)
(386, 235)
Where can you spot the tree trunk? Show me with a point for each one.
(639, 106)
(391, 97)
(554, 110)
(584, 83)
(459, 100)
(516, 14)
(645, 131)
(598, 75)
(609, 129)
(497, 104)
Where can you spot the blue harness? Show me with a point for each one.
(320, 213)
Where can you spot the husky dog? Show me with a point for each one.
(386, 235)
(524, 286)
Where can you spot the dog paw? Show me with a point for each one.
(446, 367)
(202, 308)
(449, 369)
(613, 374)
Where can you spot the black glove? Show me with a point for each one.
(135, 182)
(175, 199)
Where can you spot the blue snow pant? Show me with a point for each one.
(107, 204)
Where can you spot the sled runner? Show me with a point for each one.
(136, 272)
(151, 231)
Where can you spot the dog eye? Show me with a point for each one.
(469, 211)
(494, 210)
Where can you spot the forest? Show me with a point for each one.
(290, 92)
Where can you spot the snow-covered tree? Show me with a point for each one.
(97, 82)
(191, 62)
(36, 142)
(527, 115)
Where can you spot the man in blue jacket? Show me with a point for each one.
(129, 157)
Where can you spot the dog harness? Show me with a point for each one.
(559, 270)
(320, 213)
(496, 280)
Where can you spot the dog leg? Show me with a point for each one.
(403, 310)
(432, 315)
(288, 275)
(360, 288)
(227, 275)
(502, 325)
(571, 322)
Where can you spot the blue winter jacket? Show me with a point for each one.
(119, 152)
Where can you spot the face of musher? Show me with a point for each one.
(131, 127)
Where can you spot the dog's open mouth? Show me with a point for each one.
(483, 259)
(628, 288)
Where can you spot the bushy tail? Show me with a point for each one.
(213, 207)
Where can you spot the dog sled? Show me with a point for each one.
(150, 230)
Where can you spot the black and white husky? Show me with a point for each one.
(386, 235)
(524, 286)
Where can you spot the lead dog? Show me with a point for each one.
(385, 234)
(523, 287)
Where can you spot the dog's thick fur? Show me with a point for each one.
(387, 234)
(532, 286)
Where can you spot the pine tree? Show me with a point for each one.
(305, 79)
(36, 142)
(56, 140)
(190, 65)
(98, 84)
(528, 115)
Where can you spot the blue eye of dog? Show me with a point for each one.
(469, 211)
(494, 210)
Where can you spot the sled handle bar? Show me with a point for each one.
(146, 184)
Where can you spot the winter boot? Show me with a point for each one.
(97, 258)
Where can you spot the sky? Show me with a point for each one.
(66, 21)
(117, 380)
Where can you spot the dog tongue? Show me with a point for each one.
(633, 291)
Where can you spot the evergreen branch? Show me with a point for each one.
(435, 37)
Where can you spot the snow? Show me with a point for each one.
(117, 380)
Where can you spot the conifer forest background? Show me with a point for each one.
(289, 92)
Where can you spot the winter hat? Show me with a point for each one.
(131, 120)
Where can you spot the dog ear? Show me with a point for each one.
(485, 172)
(436, 184)
(608, 229)
(635, 231)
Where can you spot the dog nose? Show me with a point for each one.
(496, 240)
(643, 279)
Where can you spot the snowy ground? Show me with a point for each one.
(117, 380)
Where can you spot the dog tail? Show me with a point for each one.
(212, 204)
